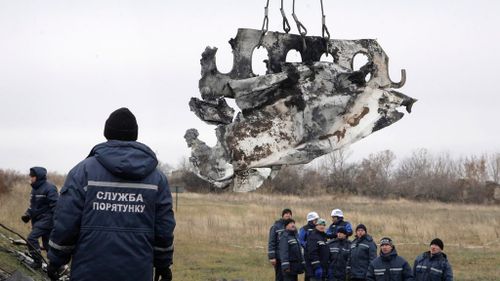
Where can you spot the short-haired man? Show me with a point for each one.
(389, 266)
(433, 265)
(292, 260)
(273, 244)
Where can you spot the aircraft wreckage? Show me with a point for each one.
(293, 114)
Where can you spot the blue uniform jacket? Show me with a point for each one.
(432, 268)
(390, 267)
(363, 251)
(274, 239)
(340, 253)
(331, 233)
(291, 253)
(114, 217)
(43, 200)
(317, 253)
(304, 232)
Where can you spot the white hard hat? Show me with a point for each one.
(312, 216)
(337, 213)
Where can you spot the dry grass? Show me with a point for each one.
(225, 235)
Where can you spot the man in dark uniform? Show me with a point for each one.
(312, 219)
(389, 266)
(340, 253)
(317, 252)
(292, 261)
(114, 218)
(42, 204)
(273, 243)
(337, 222)
(433, 265)
(363, 251)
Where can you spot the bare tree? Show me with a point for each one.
(339, 171)
(493, 163)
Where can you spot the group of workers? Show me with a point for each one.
(113, 217)
(326, 253)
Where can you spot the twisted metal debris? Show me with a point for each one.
(293, 114)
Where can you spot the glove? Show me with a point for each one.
(165, 273)
(318, 273)
(25, 218)
(53, 272)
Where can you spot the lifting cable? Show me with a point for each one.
(325, 33)
(265, 24)
(324, 29)
(300, 27)
(286, 25)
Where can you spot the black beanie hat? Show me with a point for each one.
(342, 230)
(438, 242)
(361, 226)
(288, 221)
(121, 125)
(286, 211)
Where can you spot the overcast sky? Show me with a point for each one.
(65, 65)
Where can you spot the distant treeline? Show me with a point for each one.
(421, 176)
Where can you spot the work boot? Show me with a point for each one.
(37, 264)
(37, 261)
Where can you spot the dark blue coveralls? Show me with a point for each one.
(43, 201)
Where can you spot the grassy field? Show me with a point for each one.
(225, 235)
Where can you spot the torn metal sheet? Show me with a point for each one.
(293, 114)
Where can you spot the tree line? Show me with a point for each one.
(421, 176)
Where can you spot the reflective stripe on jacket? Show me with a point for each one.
(432, 268)
(114, 218)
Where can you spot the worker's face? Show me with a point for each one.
(291, 226)
(435, 249)
(360, 232)
(341, 236)
(320, 227)
(386, 248)
(287, 216)
(335, 219)
(315, 221)
(32, 179)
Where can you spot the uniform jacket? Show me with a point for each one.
(317, 252)
(390, 267)
(340, 253)
(363, 251)
(43, 200)
(291, 253)
(114, 217)
(432, 268)
(274, 239)
(333, 228)
(304, 232)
